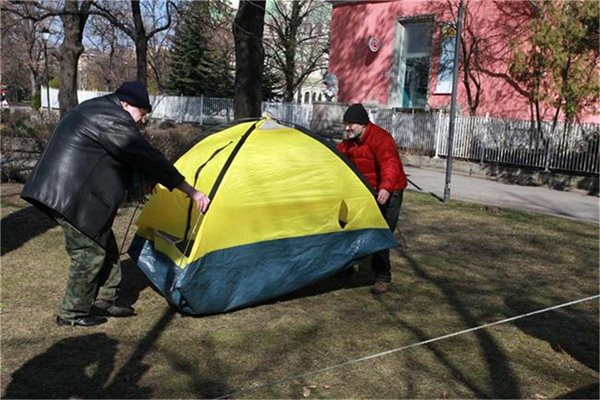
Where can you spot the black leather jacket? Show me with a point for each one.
(83, 173)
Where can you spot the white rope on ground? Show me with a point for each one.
(305, 374)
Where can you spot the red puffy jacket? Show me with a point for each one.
(376, 157)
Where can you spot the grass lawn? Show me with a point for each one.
(463, 266)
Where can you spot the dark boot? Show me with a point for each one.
(113, 309)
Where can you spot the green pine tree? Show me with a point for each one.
(199, 59)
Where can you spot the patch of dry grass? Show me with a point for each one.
(463, 266)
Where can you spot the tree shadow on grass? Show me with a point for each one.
(504, 384)
(123, 384)
(590, 391)
(21, 226)
(568, 330)
(75, 367)
(133, 282)
(80, 367)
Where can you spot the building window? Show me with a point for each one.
(448, 45)
(414, 62)
(306, 97)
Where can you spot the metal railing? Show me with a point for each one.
(566, 147)
(201, 110)
(299, 114)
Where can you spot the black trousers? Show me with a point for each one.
(380, 261)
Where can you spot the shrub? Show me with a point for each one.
(171, 139)
(36, 102)
(24, 136)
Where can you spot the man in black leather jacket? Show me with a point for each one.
(80, 181)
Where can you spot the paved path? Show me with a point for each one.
(575, 204)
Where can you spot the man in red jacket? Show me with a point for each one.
(373, 150)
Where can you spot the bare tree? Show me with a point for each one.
(248, 29)
(74, 15)
(300, 33)
(134, 27)
(158, 47)
(22, 57)
(108, 56)
(481, 52)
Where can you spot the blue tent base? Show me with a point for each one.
(238, 277)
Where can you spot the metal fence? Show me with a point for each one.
(299, 114)
(201, 110)
(567, 147)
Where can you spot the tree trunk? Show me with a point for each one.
(141, 43)
(141, 55)
(290, 55)
(73, 19)
(249, 55)
(35, 88)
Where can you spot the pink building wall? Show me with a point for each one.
(367, 77)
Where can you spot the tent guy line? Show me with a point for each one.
(357, 360)
(135, 210)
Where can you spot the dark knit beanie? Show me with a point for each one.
(134, 93)
(356, 114)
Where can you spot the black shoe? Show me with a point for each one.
(86, 320)
(112, 309)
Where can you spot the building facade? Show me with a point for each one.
(400, 54)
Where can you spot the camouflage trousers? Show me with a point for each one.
(94, 273)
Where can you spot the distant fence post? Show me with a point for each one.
(438, 132)
(486, 121)
(201, 109)
(395, 127)
(549, 150)
(180, 109)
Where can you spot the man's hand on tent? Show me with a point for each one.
(196, 196)
(201, 200)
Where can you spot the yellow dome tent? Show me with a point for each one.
(286, 210)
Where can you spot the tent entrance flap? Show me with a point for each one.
(183, 246)
(169, 238)
(198, 170)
